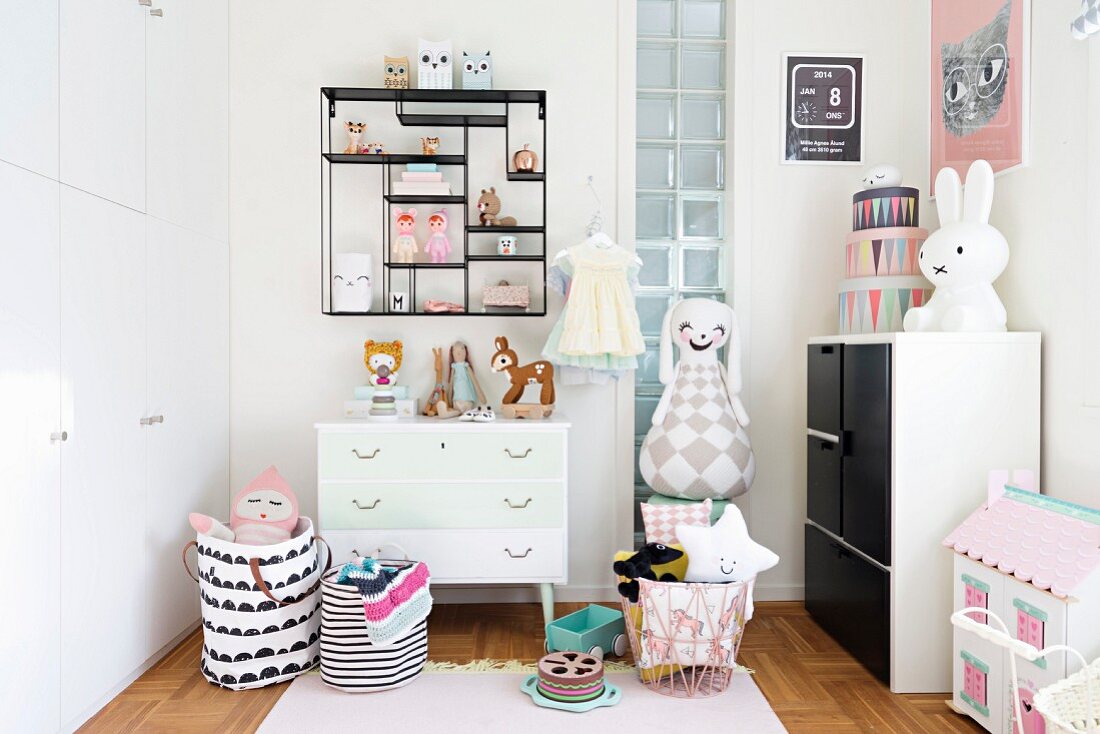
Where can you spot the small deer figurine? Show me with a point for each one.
(536, 373)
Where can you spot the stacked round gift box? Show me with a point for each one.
(883, 278)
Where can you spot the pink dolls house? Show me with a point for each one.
(1034, 561)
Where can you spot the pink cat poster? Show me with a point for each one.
(979, 83)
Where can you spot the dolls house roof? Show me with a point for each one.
(1052, 544)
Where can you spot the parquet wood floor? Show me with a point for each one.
(813, 685)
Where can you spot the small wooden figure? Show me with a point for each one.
(404, 245)
(536, 373)
(373, 149)
(395, 73)
(436, 405)
(488, 204)
(355, 134)
(429, 146)
(438, 245)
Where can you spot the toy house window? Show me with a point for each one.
(1030, 629)
(976, 595)
(975, 678)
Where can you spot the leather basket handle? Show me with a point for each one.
(254, 566)
(183, 555)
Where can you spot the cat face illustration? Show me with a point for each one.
(264, 505)
(975, 76)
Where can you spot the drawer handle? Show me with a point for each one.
(517, 456)
(513, 555)
(368, 507)
(517, 507)
(371, 455)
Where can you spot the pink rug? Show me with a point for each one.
(480, 702)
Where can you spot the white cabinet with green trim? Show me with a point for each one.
(494, 494)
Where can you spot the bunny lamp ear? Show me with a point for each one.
(733, 355)
(666, 373)
(948, 195)
(397, 211)
(978, 201)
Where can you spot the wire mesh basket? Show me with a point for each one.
(685, 636)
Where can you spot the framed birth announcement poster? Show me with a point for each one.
(823, 109)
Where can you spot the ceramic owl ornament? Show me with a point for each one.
(698, 446)
(434, 62)
(962, 258)
(477, 71)
(395, 72)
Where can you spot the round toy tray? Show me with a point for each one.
(610, 697)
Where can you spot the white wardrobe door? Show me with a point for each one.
(28, 84)
(187, 115)
(102, 135)
(189, 385)
(103, 619)
(30, 462)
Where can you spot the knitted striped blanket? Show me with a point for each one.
(394, 599)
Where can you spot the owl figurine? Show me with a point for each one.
(433, 65)
(477, 71)
(395, 72)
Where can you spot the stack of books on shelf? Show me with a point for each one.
(421, 179)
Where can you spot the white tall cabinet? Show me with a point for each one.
(113, 337)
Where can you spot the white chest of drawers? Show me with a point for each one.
(480, 503)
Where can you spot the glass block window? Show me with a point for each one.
(682, 123)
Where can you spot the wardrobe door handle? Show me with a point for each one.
(517, 507)
(145, 3)
(62, 436)
(367, 507)
(152, 420)
(156, 12)
(371, 455)
(513, 555)
(524, 455)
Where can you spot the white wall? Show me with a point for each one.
(794, 220)
(1049, 286)
(290, 365)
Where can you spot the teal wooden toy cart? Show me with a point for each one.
(594, 630)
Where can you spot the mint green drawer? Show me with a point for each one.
(504, 505)
(443, 456)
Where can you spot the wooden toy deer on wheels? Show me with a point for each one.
(536, 373)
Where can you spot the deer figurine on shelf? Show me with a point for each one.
(536, 373)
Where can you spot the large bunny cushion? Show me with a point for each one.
(698, 447)
(962, 258)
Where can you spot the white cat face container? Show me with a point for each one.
(351, 282)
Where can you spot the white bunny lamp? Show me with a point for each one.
(962, 258)
(698, 446)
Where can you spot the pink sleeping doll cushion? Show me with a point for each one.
(264, 512)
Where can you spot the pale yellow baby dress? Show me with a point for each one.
(600, 316)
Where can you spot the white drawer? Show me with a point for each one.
(463, 556)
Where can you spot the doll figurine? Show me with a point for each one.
(463, 389)
(438, 245)
(404, 245)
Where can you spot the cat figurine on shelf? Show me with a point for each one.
(477, 71)
(429, 145)
(434, 65)
(395, 72)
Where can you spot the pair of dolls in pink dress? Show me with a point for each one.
(438, 246)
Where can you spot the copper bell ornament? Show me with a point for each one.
(525, 160)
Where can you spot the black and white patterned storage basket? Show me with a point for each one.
(256, 635)
(349, 661)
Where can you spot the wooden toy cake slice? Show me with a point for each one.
(570, 677)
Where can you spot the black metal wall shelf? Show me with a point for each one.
(468, 112)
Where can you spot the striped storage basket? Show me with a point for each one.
(349, 661)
